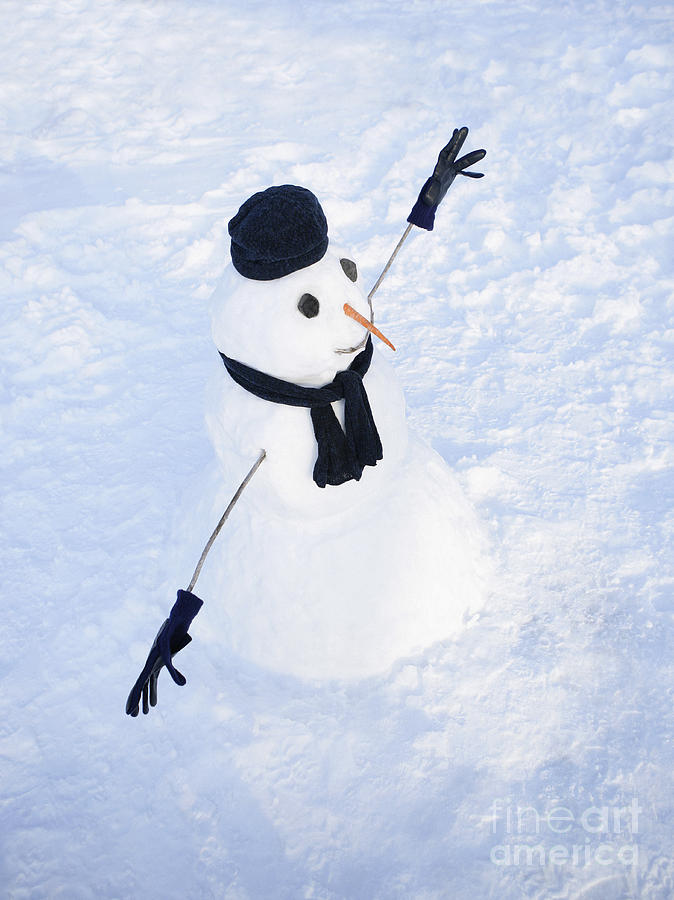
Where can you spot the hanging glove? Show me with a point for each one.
(446, 170)
(171, 638)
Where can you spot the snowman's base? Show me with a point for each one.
(345, 596)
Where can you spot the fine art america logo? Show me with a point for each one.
(560, 836)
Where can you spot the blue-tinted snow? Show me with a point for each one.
(534, 328)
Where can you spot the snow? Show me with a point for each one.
(534, 339)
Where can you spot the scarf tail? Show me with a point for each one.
(342, 454)
(335, 462)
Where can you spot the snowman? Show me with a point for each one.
(351, 545)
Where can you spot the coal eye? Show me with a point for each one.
(349, 268)
(308, 306)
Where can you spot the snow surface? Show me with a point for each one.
(534, 341)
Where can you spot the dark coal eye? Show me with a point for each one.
(349, 267)
(308, 306)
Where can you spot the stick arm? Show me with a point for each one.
(218, 528)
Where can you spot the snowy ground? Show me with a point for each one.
(534, 328)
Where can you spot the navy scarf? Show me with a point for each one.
(342, 454)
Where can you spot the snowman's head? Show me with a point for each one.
(290, 305)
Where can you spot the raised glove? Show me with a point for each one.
(446, 170)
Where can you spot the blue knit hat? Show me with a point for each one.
(278, 231)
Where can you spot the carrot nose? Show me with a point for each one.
(351, 312)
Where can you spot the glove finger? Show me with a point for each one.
(132, 702)
(469, 159)
(134, 697)
(146, 708)
(153, 689)
(472, 174)
(165, 650)
(177, 676)
(449, 153)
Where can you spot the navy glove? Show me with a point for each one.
(171, 638)
(446, 170)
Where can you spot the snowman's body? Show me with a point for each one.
(340, 581)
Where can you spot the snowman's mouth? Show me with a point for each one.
(354, 349)
(367, 324)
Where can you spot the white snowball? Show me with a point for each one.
(334, 582)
